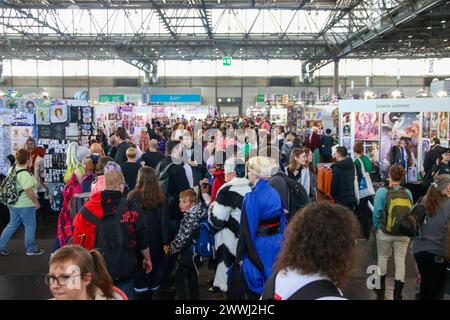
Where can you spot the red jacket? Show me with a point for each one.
(314, 141)
(132, 218)
(219, 180)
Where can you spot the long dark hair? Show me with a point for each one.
(147, 187)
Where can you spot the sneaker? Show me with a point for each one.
(4, 253)
(37, 252)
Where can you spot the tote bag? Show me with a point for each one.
(365, 185)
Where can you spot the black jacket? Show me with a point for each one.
(430, 158)
(121, 154)
(157, 222)
(177, 182)
(342, 182)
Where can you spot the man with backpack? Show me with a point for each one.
(116, 227)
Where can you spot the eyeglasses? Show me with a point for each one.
(62, 280)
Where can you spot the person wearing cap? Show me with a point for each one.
(225, 216)
(443, 166)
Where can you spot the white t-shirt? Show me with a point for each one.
(289, 281)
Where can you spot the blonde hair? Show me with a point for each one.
(97, 148)
(112, 180)
(262, 167)
(131, 153)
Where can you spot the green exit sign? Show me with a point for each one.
(226, 61)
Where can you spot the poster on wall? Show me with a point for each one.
(347, 142)
(443, 125)
(426, 122)
(425, 148)
(19, 136)
(434, 123)
(367, 126)
(58, 112)
(346, 124)
(396, 125)
(43, 115)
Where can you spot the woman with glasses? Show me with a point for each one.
(78, 274)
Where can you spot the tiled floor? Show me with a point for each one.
(21, 275)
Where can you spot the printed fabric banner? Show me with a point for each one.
(443, 125)
(367, 126)
(434, 123)
(426, 122)
(58, 112)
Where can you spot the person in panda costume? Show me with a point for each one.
(225, 215)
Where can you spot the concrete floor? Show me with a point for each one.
(21, 276)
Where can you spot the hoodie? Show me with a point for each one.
(133, 222)
(342, 182)
(219, 181)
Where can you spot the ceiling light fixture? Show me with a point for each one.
(445, 40)
(409, 37)
(429, 28)
(443, 21)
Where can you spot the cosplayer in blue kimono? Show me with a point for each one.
(262, 226)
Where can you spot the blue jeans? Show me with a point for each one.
(18, 216)
(127, 286)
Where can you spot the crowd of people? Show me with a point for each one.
(140, 213)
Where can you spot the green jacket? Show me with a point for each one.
(367, 163)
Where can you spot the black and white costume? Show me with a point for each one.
(225, 215)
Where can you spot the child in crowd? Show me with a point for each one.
(183, 246)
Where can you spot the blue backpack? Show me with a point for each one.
(204, 243)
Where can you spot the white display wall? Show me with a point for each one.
(380, 123)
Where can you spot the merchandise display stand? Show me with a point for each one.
(383, 122)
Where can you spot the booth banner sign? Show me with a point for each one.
(399, 105)
(260, 98)
(189, 98)
(112, 98)
(125, 108)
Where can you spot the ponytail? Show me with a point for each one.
(433, 199)
(101, 279)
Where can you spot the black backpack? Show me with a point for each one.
(410, 224)
(111, 241)
(312, 291)
(297, 195)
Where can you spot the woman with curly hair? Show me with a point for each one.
(318, 255)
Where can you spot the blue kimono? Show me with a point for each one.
(259, 252)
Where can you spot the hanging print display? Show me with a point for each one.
(443, 125)
(426, 125)
(58, 112)
(367, 126)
